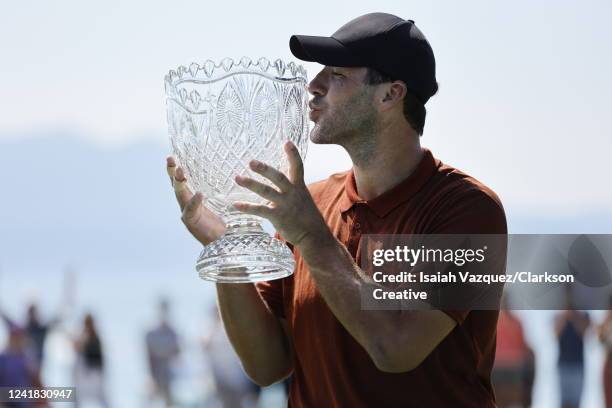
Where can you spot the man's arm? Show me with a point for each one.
(258, 336)
(396, 340)
(399, 340)
(7, 320)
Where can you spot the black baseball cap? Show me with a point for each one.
(387, 43)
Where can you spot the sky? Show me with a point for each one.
(523, 104)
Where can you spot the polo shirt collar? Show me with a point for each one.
(399, 194)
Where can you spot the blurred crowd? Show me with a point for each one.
(22, 358)
(23, 355)
(515, 365)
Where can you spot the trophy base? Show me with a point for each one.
(245, 254)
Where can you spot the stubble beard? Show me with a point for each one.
(352, 126)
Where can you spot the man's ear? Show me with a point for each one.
(394, 94)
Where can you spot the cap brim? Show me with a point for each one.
(324, 50)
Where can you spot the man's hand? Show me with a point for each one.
(292, 210)
(203, 224)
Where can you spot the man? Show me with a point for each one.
(37, 329)
(514, 368)
(571, 326)
(232, 387)
(17, 367)
(36, 332)
(162, 351)
(369, 98)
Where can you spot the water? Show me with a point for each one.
(123, 298)
(124, 303)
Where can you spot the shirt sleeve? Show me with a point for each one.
(474, 212)
(458, 316)
(272, 292)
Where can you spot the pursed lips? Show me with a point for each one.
(315, 111)
(313, 114)
(313, 107)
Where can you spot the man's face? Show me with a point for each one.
(341, 106)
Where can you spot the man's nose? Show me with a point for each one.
(316, 87)
(313, 89)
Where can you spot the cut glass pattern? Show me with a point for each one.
(221, 116)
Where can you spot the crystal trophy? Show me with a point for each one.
(221, 115)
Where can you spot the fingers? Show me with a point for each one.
(181, 191)
(191, 210)
(296, 166)
(171, 168)
(275, 176)
(254, 209)
(261, 189)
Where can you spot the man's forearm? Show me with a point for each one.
(396, 340)
(341, 282)
(255, 333)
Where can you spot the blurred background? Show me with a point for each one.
(97, 274)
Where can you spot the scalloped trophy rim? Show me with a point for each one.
(210, 71)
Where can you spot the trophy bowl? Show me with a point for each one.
(220, 117)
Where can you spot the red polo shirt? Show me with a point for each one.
(330, 368)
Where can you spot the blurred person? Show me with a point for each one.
(570, 328)
(514, 368)
(369, 98)
(17, 366)
(89, 378)
(605, 336)
(233, 389)
(162, 351)
(36, 333)
(38, 330)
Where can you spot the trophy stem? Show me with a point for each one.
(246, 253)
(241, 223)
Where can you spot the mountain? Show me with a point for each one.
(64, 199)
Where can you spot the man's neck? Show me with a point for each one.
(391, 162)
